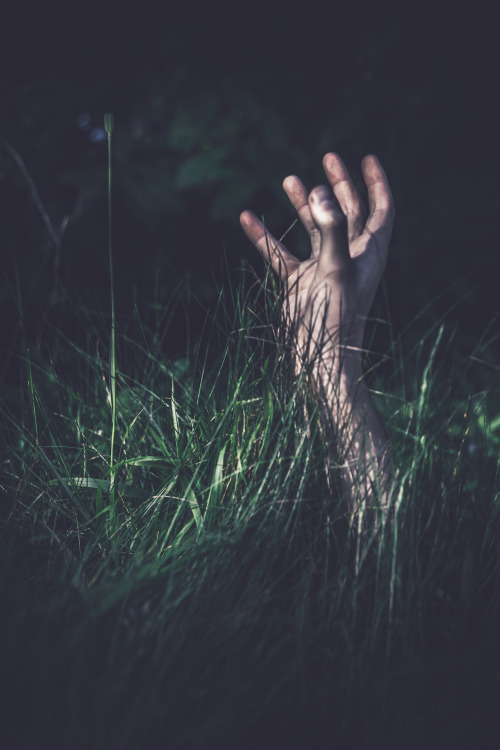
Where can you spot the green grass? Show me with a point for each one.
(218, 597)
(176, 571)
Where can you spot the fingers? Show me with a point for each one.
(348, 197)
(324, 216)
(274, 252)
(381, 217)
(323, 219)
(299, 198)
(331, 222)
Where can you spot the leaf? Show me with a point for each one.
(204, 169)
(160, 442)
(233, 197)
(216, 488)
(175, 420)
(192, 501)
(101, 486)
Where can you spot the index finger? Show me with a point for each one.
(273, 251)
(299, 198)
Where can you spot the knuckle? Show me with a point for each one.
(332, 218)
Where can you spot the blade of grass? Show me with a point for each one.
(108, 126)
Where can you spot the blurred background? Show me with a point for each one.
(212, 111)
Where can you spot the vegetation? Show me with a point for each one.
(175, 570)
(218, 594)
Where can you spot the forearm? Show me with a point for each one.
(327, 299)
(359, 449)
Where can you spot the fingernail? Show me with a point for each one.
(322, 195)
(318, 197)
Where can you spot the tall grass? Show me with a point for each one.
(200, 584)
(108, 127)
(219, 595)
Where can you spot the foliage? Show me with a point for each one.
(220, 595)
(213, 114)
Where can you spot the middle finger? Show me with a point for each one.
(346, 194)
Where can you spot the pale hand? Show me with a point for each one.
(328, 296)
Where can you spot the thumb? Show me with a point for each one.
(332, 225)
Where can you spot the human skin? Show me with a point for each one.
(327, 301)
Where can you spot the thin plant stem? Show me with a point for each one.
(108, 126)
(32, 397)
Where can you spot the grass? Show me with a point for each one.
(223, 598)
(175, 571)
(108, 127)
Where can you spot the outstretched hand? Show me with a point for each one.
(328, 296)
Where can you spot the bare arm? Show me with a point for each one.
(327, 301)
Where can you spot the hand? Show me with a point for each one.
(328, 296)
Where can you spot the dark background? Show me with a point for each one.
(212, 111)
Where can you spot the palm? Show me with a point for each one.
(330, 294)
